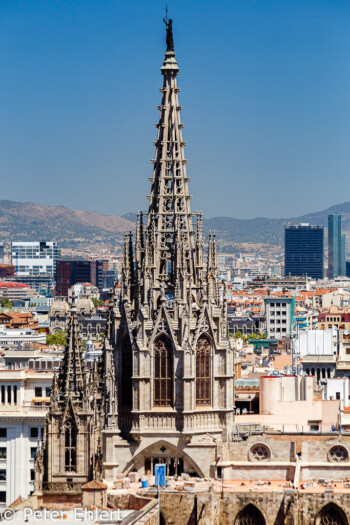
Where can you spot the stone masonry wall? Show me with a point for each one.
(238, 451)
(278, 508)
(310, 506)
(315, 451)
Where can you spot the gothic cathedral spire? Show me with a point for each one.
(163, 390)
(172, 360)
(169, 215)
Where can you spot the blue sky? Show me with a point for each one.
(265, 87)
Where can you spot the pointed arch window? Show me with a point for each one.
(126, 373)
(70, 447)
(331, 514)
(163, 372)
(203, 371)
(250, 515)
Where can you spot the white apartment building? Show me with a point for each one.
(38, 360)
(336, 388)
(35, 258)
(80, 289)
(24, 400)
(18, 335)
(279, 317)
(318, 350)
(317, 343)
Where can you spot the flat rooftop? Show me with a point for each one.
(196, 485)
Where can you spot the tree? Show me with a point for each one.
(259, 335)
(6, 303)
(58, 338)
(97, 302)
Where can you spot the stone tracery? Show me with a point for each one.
(338, 454)
(259, 452)
(163, 372)
(203, 371)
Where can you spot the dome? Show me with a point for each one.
(59, 306)
(84, 304)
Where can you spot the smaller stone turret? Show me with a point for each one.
(70, 454)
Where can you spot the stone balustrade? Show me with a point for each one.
(174, 421)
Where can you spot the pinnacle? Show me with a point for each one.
(169, 63)
(71, 374)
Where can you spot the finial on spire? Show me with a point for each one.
(169, 31)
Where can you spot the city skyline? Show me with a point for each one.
(275, 77)
(180, 371)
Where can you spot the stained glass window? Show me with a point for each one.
(203, 372)
(163, 372)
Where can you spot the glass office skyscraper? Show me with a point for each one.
(343, 254)
(303, 251)
(336, 247)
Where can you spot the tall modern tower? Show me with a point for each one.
(303, 251)
(343, 255)
(334, 246)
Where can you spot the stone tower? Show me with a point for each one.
(169, 384)
(71, 452)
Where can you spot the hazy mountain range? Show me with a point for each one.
(271, 231)
(25, 220)
(267, 231)
(21, 221)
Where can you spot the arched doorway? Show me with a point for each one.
(174, 464)
(175, 459)
(331, 514)
(250, 515)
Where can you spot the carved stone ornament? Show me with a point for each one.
(338, 454)
(259, 453)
